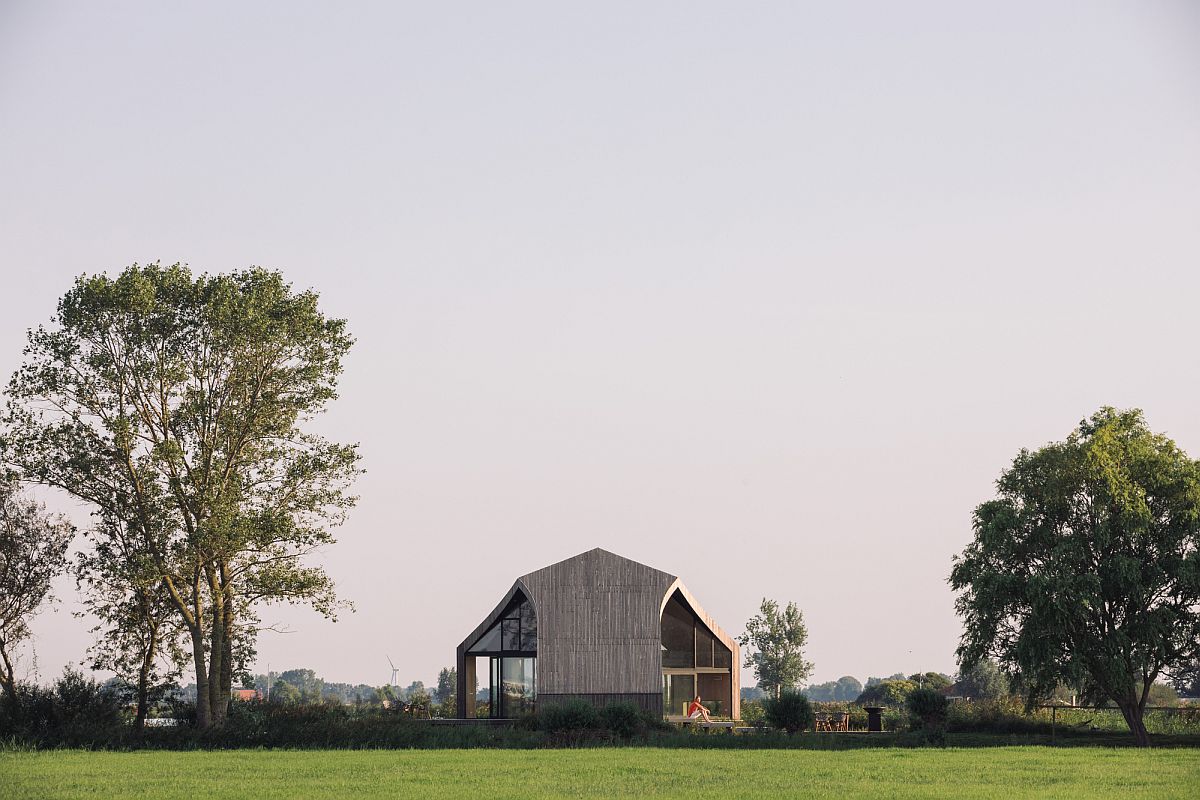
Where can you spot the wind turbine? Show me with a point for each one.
(395, 671)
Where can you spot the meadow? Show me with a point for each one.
(1001, 772)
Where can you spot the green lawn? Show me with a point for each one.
(1007, 773)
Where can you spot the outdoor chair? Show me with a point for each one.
(840, 722)
(822, 722)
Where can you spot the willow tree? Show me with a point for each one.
(176, 405)
(1085, 569)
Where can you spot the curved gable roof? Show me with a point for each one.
(599, 623)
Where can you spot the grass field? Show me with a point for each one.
(1008, 773)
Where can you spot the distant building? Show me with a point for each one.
(604, 629)
(246, 694)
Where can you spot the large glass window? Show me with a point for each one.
(512, 645)
(713, 687)
(694, 662)
(704, 647)
(722, 656)
(678, 691)
(678, 635)
(517, 686)
(515, 632)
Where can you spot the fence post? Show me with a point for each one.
(1053, 721)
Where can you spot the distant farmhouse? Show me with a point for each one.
(604, 629)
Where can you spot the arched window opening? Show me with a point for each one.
(694, 661)
(511, 647)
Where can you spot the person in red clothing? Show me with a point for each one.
(696, 710)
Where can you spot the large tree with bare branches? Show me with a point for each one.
(176, 405)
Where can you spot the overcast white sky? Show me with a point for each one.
(763, 295)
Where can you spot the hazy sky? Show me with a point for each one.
(762, 295)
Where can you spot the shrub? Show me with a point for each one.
(890, 692)
(623, 719)
(790, 711)
(752, 713)
(74, 712)
(572, 715)
(927, 708)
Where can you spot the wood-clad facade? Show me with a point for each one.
(593, 627)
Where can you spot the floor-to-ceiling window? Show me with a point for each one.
(693, 662)
(511, 646)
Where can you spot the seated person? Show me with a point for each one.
(697, 711)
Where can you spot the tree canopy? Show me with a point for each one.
(176, 406)
(1085, 568)
(775, 647)
(844, 689)
(33, 547)
(982, 681)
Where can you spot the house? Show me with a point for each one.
(604, 629)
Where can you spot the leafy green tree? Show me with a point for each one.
(891, 692)
(176, 405)
(307, 683)
(33, 545)
(848, 688)
(788, 710)
(845, 689)
(982, 681)
(445, 696)
(416, 693)
(927, 710)
(931, 680)
(1085, 569)
(138, 636)
(285, 694)
(1163, 694)
(775, 640)
(821, 692)
(1186, 679)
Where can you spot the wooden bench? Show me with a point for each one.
(709, 725)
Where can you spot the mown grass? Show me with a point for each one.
(1003, 773)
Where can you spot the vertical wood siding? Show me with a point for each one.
(599, 628)
(598, 625)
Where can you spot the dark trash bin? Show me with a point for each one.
(874, 718)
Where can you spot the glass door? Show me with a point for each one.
(678, 691)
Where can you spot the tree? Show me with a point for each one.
(447, 685)
(890, 692)
(1186, 679)
(176, 405)
(139, 635)
(1085, 569)
(848, 688)
(983, 681)
(33, 546)
(931, 680)
(776, 642)
(844, 689)
(308, 685)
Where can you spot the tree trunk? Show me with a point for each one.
(8, 680)
(1132, 710)
(216, 652)
(225, 686)
(203, 704)
(143, 687)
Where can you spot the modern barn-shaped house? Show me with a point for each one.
(605, 629)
